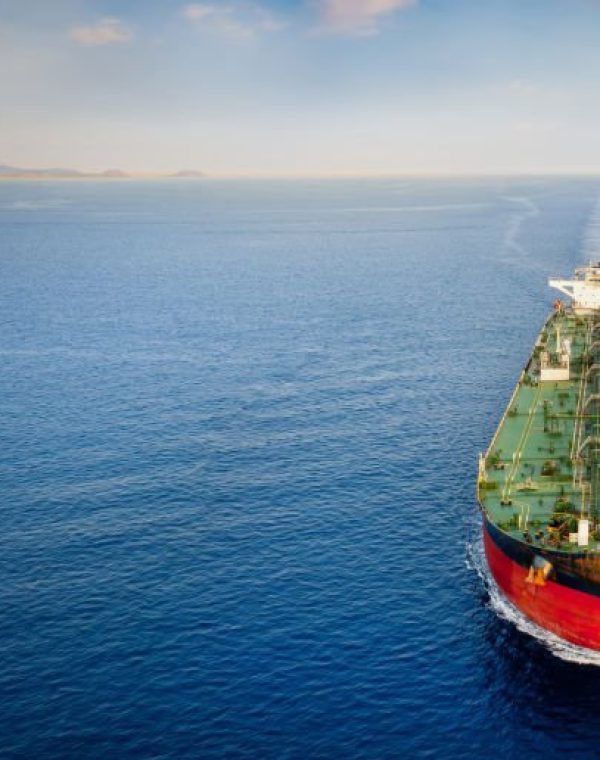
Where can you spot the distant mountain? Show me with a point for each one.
(14, 172)
(190, 173)
(114, 173)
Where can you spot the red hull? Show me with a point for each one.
(571, 614)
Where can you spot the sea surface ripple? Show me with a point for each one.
(240, 427)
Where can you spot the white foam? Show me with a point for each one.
(526, 209)
(512, 251)
(507, 611)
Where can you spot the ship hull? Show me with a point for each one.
(567, 603)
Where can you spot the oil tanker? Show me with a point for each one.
(538, 484)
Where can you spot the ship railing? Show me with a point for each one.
(509, 406)
(578, 429)
(591, 439)
(516, 458)
(490, 448)
(590, 399)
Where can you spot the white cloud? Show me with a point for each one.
(356, 17)
(240, 20)
(198, 11)
(106, 31)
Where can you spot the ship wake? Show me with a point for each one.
(591, 240)
(507, 611)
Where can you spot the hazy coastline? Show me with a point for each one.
(13, 172)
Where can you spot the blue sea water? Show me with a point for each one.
(239, 427)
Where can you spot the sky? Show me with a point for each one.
(301, 87)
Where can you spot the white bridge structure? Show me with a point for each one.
(583, 289)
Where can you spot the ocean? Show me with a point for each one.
(240, 423)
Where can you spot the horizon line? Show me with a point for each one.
(80, 175)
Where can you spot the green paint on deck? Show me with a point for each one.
(539, 432)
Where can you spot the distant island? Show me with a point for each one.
(14, 172)
(189, 173)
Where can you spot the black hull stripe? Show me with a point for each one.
(564, 568)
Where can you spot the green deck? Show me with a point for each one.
(537, 479)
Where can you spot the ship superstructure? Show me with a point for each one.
(539, 481)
